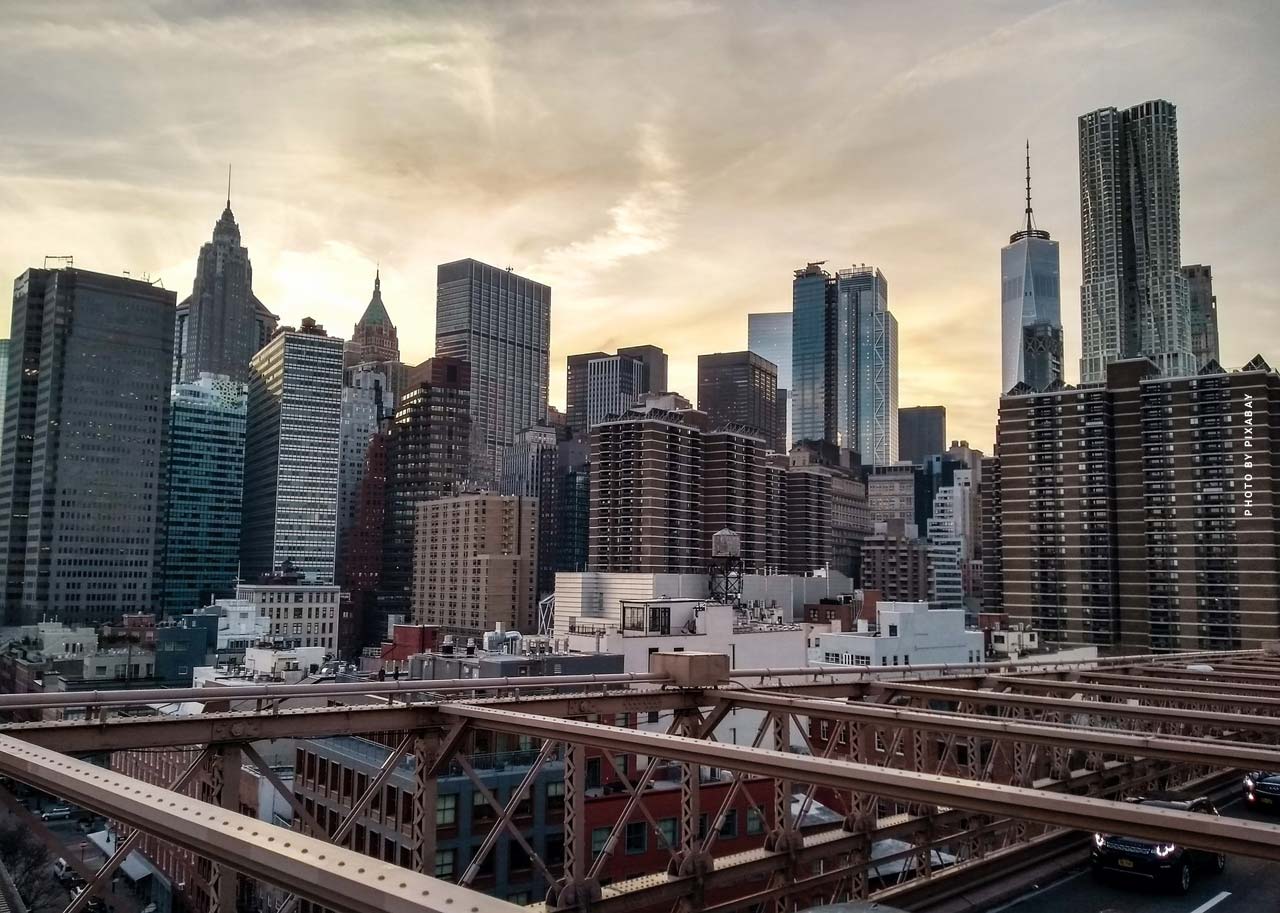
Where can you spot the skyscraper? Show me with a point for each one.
(292, 455)
(223, 323)
(1204, 313)
(922, 432)
(654, 360)
(86, 431)
(1030, 306)
(366, 403)
(769, 335)
(1133, 296)
(4, 380)
(844, 356)
(374, 342)
(206, 481)
(500, 323)
(428, 457)
(741, 388)
(613, 384)
(576, 388)
(876, 361)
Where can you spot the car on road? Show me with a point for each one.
(1168, 864)
(1262, 790)
(57, 813)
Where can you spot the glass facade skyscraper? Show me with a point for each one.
(292, 453)
(1134, 300)
(86, 433)
(823, 407)
(769, 335)
(864, 293)
(500, 323)
(1030, 307)
(206, 481)
(844, 361)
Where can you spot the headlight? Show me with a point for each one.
(1165, 849)
(1099, 840)
(1248, 782)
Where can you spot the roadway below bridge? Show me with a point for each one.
(1247, 886)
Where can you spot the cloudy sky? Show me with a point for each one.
(663, 165)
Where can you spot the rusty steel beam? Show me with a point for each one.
(1222, 835)
(1216, 674)
(1187, 751)
(225, 693)
(1265, 705)
(1197, 684)
(1113, 709)
(122, 733)
(329, 876)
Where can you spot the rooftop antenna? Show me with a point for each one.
(229, 185)
(1031, 225)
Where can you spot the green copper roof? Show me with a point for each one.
(376, 312)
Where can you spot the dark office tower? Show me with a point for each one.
(1133, 295)
(576, 390)
(922, 433)
(499, 323)
(654, 360)
(741, 389)
(292, 455)
(4, 380)
(222, 324)
(428, 457)
(206, 481)
(573, 503)
(646, 492)
(1140, 514)
(360, 559)
(529, 471)
(828, 514)
(366, 404)
(992, 538)
(1204, 313)
(1030, 306)
(86, 434)
(734, 494)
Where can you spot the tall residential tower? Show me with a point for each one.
(1134, 300)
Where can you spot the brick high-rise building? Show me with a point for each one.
(475, 563)
(734, 493)
(1139, 514)
(895, 562)
(741, 389)
(86, 434)
(646, 492)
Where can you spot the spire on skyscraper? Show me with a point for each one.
(1029, 230)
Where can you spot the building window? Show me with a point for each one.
(667, 828)
(637, 838)
(599, 837)
(653, 716)
(755, 822)
(730, 826)
(447, 810)
(446, 862)
(555, 794)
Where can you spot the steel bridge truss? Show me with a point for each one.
(974, 766)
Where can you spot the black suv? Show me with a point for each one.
(1262, 790)
(1165, 863)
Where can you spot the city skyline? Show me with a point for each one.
(634, 212)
